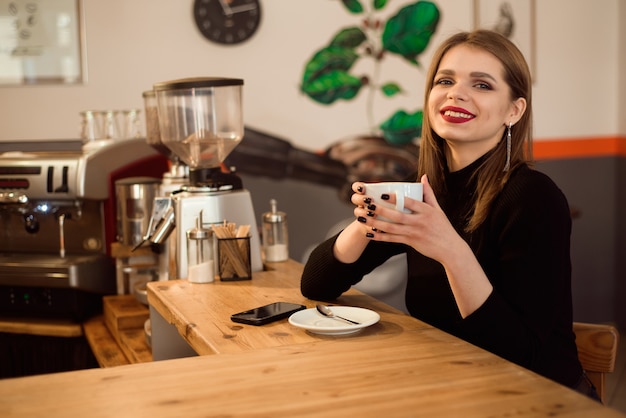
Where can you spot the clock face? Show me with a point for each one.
(227, 21)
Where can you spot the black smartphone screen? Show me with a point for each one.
(266, 314)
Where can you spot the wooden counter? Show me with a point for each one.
(201, 312)
(398, 367)
(421, 373)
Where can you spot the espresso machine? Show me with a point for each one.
(58, 220)
(200, 121)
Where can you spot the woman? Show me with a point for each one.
(488, 250)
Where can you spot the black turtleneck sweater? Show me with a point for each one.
(524, 249)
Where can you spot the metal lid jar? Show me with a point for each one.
(275, 235)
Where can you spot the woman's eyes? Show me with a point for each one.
(481, 85)
(444, 81)
(478, 84)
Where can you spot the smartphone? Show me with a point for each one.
(266, 314)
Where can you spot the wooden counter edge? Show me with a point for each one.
(172, 316)
(43, 327)
(105, 349)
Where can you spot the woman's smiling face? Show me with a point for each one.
(470, 102)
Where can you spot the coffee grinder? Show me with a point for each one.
(173, 180)
(200, 121)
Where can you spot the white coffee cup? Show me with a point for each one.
(397, 188)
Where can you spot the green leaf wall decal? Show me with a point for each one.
(408, 33)
(353, 6)
(329, 74)
(402, 127)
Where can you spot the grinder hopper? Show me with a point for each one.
(201, 122)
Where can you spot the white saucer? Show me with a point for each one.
(313, 321)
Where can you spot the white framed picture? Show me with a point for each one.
(515, 19)
(41, 42)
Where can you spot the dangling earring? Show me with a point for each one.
(508, 148)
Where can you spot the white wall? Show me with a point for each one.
(577, 47)
(132, 44)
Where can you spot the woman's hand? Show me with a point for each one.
(426, 229)
(352, 240)
(429, 232)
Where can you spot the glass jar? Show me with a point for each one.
(131, 128)
(90, 131)
(200, 260)
(275, 235)
(110, 129)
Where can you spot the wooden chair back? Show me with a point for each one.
(597, 350)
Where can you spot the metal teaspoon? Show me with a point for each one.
(326, 311)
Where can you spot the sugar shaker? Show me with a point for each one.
(201, 264)
(275, 235)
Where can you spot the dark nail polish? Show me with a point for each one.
(367, 200)
(384, 196)
(371, 207)
(370, 214)
(369, 235)
(374, 229)
(361, 219)
(360, 189)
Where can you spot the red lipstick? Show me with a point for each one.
(456, 114)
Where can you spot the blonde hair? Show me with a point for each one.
(491, 176)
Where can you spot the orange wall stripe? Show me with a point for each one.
(579, 148)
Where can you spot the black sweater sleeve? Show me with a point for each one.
(326, 278)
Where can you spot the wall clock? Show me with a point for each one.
(227, 22)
